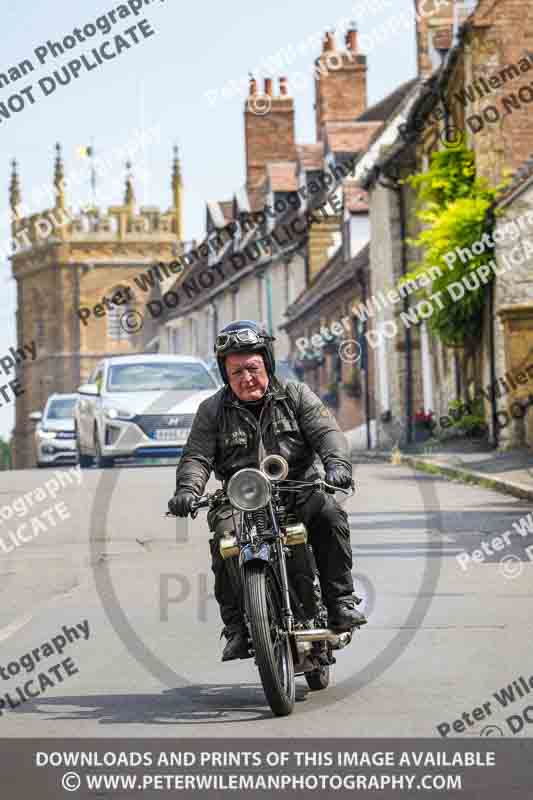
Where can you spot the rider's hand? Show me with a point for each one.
(339, 475)
(182, 502)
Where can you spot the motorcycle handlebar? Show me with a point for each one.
(203, 502)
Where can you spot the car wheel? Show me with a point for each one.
(83, 460)
(101, 462)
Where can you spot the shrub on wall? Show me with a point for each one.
(453, 204)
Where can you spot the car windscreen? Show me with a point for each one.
(61, 409)
(146, 377)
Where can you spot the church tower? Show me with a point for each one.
(65, 261)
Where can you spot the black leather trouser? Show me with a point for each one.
(329, 535)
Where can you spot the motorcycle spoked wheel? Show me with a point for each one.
(272, 648)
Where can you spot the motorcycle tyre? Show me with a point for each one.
(280, 689)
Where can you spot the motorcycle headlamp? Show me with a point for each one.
(249, 490)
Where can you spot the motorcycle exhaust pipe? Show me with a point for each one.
(323, 634)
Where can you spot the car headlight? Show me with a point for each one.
(117, 413)
(44, 434)
(249, 490)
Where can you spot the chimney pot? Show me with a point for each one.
(268, 86)
(253, 86)
(351, 37)
(329, 41)
(283, 89)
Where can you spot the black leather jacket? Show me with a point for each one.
(226, 437)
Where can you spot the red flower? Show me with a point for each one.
(424, 416)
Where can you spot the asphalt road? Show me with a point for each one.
(440, 640)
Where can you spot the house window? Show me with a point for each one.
(39, 329)
(173, 340)
(260, 297)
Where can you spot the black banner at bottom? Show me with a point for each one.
(490, 768)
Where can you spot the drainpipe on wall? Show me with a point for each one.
(77, 326)
(268, 286)
(394, 186)
(361, 337)
(492, 365)
(491, 224)
(408, 340)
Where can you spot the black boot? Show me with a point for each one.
(237, 644)
(343, 616)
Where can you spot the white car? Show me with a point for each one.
(55, 439)
(139, 406)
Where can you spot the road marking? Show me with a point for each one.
(10, 630)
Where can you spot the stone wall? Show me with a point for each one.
(513, 333)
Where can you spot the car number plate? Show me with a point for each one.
(174, 435)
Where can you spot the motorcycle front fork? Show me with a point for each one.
(285, 593)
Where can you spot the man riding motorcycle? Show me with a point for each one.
(256, 414)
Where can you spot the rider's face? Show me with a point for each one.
(247, 375)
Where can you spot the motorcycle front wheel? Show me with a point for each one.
(270, 641)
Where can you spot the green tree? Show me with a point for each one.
(5, 455)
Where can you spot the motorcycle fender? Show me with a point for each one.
(251, 553)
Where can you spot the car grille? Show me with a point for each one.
(152, 422)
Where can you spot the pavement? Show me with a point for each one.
(509, 472)
(441, 639)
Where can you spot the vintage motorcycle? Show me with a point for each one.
(274, 569)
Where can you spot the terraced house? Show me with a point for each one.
(307, 214)
(472, 56)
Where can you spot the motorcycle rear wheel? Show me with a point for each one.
(317, 679)
(271, 644)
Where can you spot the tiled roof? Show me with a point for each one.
(382, 111)
(220, 212)
(355, 198)
(443, 38)
(282, 176)
(334, 275)
(311, 156)
(349, 137)
(257, 199)
(227, 209)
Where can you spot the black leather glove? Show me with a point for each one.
(181, 503)
(339, 475)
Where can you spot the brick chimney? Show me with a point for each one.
(434, 31)
(340, 81)
(268, 129)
